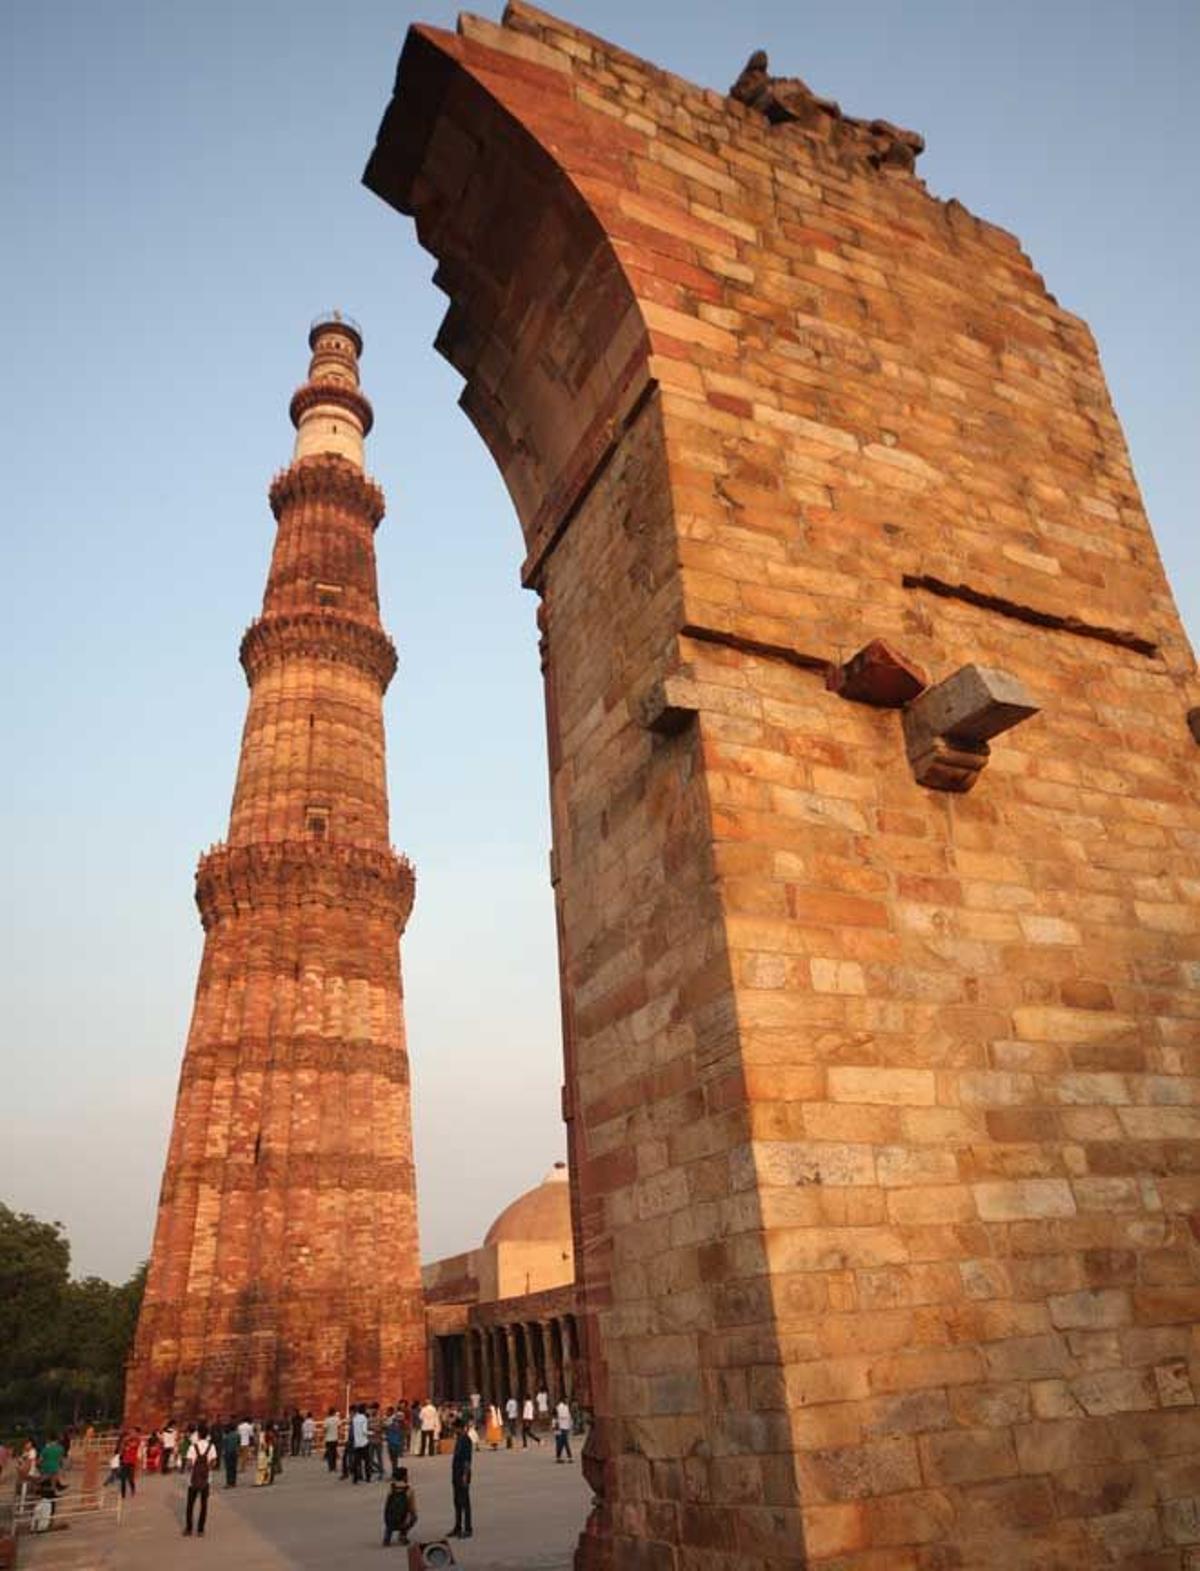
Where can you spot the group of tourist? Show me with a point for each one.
(528, 1414)
(356, 1447)
(236, 1445)
(37, 1471)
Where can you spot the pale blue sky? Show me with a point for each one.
(181, 194)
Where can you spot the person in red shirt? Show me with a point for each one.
(127, 1449)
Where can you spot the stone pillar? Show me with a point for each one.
(484, 1365)
(880, 1074)
(568, 1357)
(548, 1358)
(510, 1342)
(439, 1369)
(553, 1359)
(521, 1339)
(470, 1369)
(529, 1335)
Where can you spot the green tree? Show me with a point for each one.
(63, 1344)
(35, 1260)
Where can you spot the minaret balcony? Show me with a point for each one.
(321, 634)
(327, 477)
(235, 880)
(313, 395)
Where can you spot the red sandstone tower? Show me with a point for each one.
(285, 1266)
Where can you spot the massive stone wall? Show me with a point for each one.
(882, 1097)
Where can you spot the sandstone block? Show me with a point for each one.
(1026, 1197)
(889, 1087)
(967, 1456)
(1092, 1309)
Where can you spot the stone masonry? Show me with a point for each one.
(285, 1264)
(883, 1032)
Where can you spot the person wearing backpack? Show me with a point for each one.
(202, 1455)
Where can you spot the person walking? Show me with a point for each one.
(203, 1458)
(169, 1439)
(127, 1449)
(348, 1442)
(230, 1447)
(265, 1463)
(308, 1433)
(277, 1434)
(511, 1409)
(329, 1438)
(245, 1431)
(374, 1442)
(562, 1431)
(51, 1458)
(430, 1424)
(393, 1435)
(494, 1432)
(528, 1432)
(360, 1466)
(460, 1481)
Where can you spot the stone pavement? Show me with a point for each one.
(528, 1514)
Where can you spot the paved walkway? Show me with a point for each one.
(528, 1514)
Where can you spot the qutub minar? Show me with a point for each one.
(285, 1266)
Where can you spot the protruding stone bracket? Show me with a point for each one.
(877, 675)
(670, 705)
(947, 728)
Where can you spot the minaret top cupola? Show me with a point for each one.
(329, 411)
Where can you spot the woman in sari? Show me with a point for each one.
(265, 1470)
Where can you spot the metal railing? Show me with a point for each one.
(88, 1497)
(336, 319)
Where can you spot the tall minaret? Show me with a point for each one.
(285, 1265)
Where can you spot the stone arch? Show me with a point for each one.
(488, 149)
(819, 1149)
(542, 322)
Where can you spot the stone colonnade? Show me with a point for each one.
(519, 1357)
